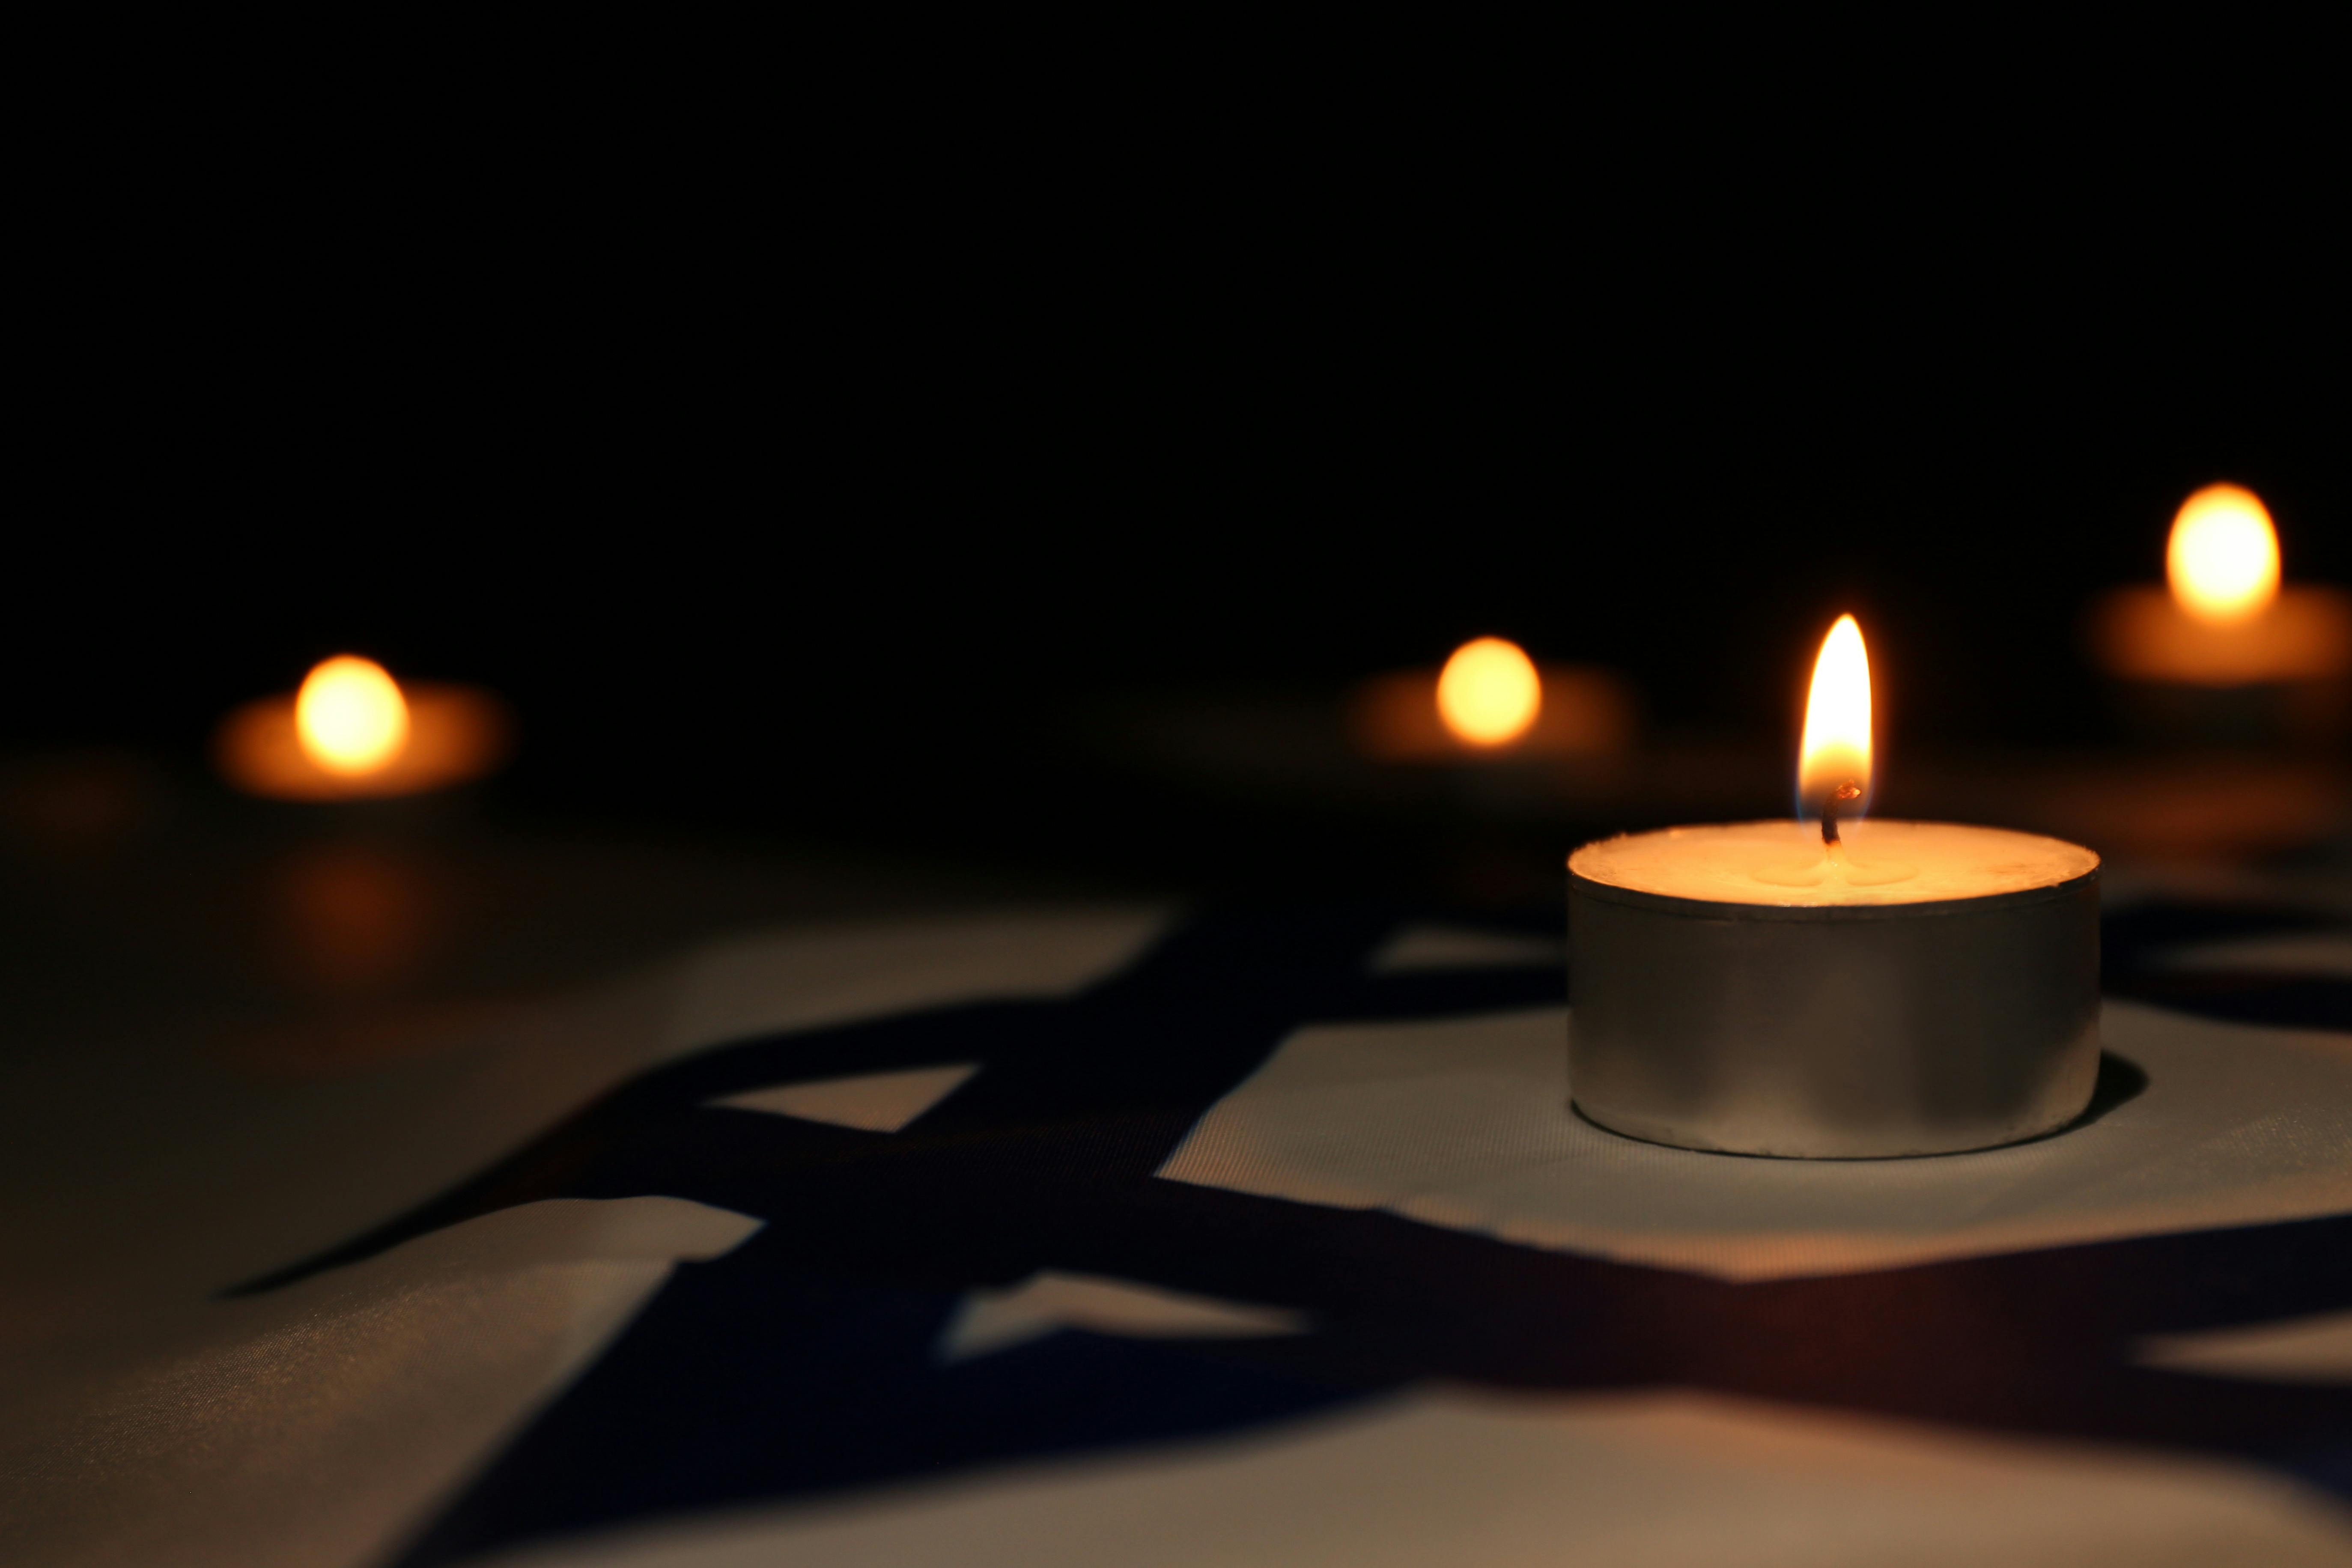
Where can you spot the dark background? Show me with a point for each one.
(815, 476)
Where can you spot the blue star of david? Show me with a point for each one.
(803, 1363)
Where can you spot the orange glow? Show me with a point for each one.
(350, 717)
(1836, 748)
(1488, 693)
(2223, 556)
(454, 733)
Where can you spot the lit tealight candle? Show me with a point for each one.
(1491, 700)
(352, 731)
(1833, 986)
(2224, 618)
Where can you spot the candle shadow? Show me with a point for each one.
(2119, 1081)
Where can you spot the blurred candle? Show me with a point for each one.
(350, 717)
(1489, 694)
(352, 731)
(2224, 618)
(1491, 700)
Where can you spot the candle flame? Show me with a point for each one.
(349, 716)
(2223, 556)
(1488, 693)
(1833, 763)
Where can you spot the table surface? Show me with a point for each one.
(410, 1194)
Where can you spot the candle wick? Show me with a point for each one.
(1846, 790)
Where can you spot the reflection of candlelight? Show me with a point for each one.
(353, 731)
(357, 917)
(2224, 619)
(1492, 701)
(78, 804)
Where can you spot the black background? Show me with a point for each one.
(804, 464)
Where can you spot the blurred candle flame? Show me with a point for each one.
(349, 716)
(1836, 748)
(1488, 693)
(2224, 558)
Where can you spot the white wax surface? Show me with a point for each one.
(1784, 863)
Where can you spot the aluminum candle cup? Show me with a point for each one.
(1930, 988)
